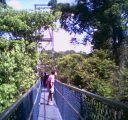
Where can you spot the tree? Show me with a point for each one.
(104, 21)
(93, 73)
(19, 57)
(53, 3)
(17, 70)
(3, 1)
(25, 24)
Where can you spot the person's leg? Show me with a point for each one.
(49, 97)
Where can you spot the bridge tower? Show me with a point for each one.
(47, 41)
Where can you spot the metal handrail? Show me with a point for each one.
(12, 108)
(34, 104)
(98, 97)
(70, 105)
(82, 105)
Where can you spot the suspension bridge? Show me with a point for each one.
(70, 103)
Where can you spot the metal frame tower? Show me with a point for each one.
(50, 39)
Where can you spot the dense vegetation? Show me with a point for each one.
(104, 21)
(17, 70)
(27, 25)
(3, 2)
(105, 25)
(19, 33)
(96, 72)
(93, 73)
(104, 71)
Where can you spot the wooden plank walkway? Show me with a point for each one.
(48, 112)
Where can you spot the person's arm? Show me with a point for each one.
(51, 84)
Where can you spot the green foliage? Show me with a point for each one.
(8, 94)
(104, 21)
(18, 59)
(17, 70)
(3, 4)
(105, 25)
(53, 3)
(67, 66)
(24, 24)
(99, 71)
(3, 1)
(93, 73)
(124, 84)
(45, 57)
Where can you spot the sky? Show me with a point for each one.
(61, 37)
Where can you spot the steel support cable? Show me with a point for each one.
(34, 102)
(70, 105)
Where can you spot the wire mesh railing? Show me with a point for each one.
(26, 108)
(77, 104)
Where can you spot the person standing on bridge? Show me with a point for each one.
(45, 77)
(41, 77)
(50, 85)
